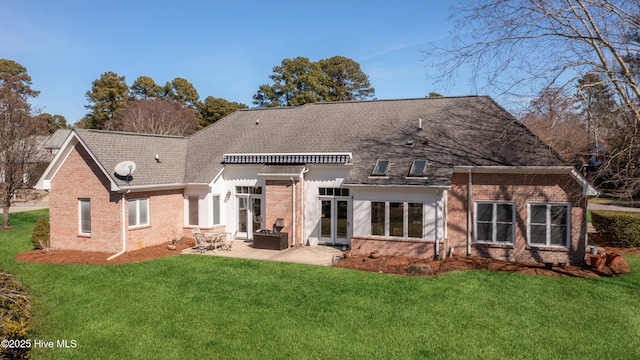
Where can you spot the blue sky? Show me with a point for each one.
(226, 49)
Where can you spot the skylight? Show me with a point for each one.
(381, 168)
(418, 167)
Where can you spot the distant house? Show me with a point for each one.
(417, 177)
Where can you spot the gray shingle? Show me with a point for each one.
(456, 131)
(110, 148)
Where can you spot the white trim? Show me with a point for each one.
(494, 221)
(44, 183)
(80, 216)
(405, 220)
(216, 210)
(138, 223)
(434, 187)
(548, 224)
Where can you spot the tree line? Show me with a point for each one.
(176, 108)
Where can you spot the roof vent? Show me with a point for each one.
(420, 124)
(409, 143)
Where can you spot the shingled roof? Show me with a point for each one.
(455, 131)
(110, 148)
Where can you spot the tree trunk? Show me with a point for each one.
(5, 217)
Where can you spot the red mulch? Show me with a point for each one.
(99, 258)
(399, 265)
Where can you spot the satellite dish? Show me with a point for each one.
(125, 169)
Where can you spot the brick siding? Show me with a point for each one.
(519, 188)
(279, 204)
(80, 178)
(522, 189)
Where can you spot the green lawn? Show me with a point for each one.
(193, 306)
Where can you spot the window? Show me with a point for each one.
(417, 168)
(381, 168)
(494, 222)
(333, 192)
(193, 210)
(415, 220)
(378, 216)
(549, 224)
(85, 215)
(248, 190)
(397, 219)
(138, 212)
(216, 209)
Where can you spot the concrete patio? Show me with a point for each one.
(312, 255)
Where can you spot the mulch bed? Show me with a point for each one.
(399, 265)
(100, 258)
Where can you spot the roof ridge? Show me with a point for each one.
(131, 133)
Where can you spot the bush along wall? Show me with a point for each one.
(40, 236)
(15, 314)
(617, 227)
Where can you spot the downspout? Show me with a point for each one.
(469, 213)
(293, 238)
(305, 170)
(124, 230)
(437, 256)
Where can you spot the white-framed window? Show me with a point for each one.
(216, 209)
(495, 222)
(84, 215)
(397, 219)
(549, 224)
(193, 210)
(138, 212)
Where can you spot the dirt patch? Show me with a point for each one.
(99, 258)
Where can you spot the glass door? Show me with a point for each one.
(342, 221)
(334, 221)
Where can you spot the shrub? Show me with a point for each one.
(15, 313)
(617, 227)
(40, 236)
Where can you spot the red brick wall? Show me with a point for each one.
(166, 219)
(79, 177)
(523, 189)
(392, 246)
(279, 204)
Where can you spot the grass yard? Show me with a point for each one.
(193, 306)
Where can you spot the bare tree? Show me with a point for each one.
(553, 116)
(163, 117)
(19, 150)
(518, 47)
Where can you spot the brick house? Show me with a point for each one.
(417, 177)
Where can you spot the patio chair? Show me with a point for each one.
(201, 241)
(226, 242)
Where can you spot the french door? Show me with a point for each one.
(334, 221)
(249, 215)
